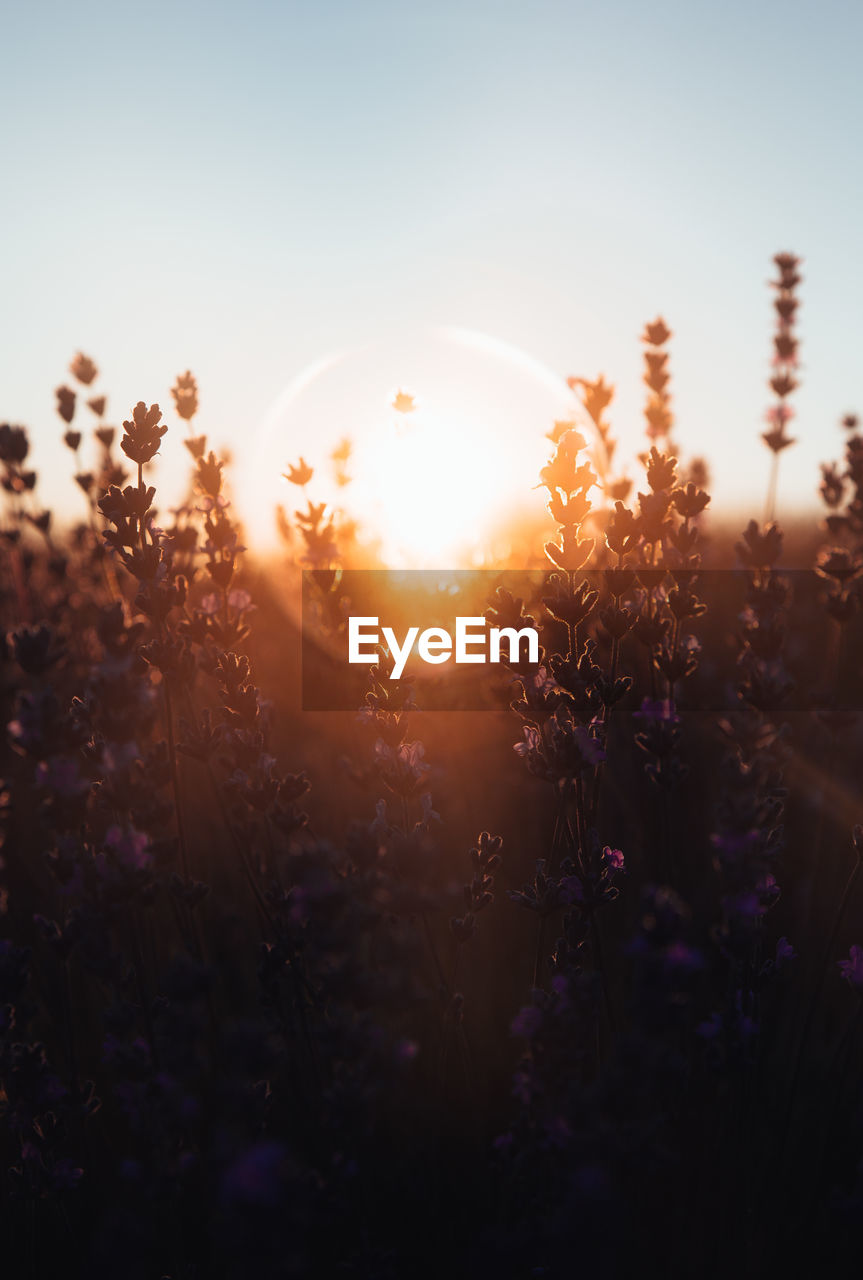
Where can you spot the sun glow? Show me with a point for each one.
(430, 443)
(431, 487)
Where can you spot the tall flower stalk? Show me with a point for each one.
(657, 378)
(783, 379)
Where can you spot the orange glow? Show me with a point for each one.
(429, 444)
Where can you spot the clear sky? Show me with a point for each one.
(242, 189)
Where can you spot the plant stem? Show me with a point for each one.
(772, 485)
(816, 994)
(175, 780)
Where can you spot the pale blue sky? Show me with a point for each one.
(241, 189)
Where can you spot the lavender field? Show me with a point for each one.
(569, 985)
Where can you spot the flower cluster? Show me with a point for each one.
(596, 396)
(657, 410)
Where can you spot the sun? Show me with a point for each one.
(430, 442)
(430, 485)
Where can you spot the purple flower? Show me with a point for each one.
(62, 776)
(130, 847)
(572, 889)
(240, 600)
(402, 767)
(613, 858)
(680, 956)
(745, 907)
(532, 742)
(778, 414)
(852, 968)
(526, 1022)
(732, 847)
(543, 682)
(589, 746)
(659, 709)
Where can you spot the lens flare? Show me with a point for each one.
(429, 443)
